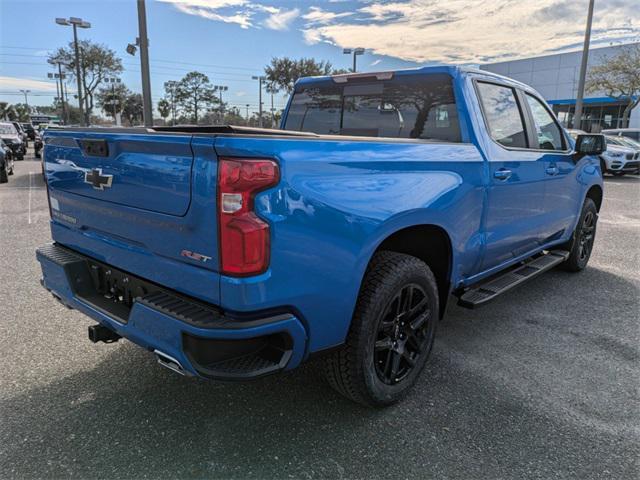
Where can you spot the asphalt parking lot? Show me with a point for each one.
(542, 383)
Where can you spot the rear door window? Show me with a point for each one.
(503, 115)
(419, 106)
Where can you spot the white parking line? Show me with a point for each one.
(30, 189)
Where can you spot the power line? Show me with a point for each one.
(228, 67)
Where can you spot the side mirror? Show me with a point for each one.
(590, 144)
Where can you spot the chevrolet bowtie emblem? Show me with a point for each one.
(97, 180)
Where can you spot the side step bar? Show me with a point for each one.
(482, 293)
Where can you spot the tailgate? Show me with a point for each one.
(151, 172)
(142, 202)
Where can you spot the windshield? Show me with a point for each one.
(8, 130)
(628, 142)
(417, 106)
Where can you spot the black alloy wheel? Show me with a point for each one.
(402, 334)
(587, 236)
(580, 246)
(391, 333)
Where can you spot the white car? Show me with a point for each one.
(632, 133)
(621, 156)
(618, 159)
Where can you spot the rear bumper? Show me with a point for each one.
(205, 341)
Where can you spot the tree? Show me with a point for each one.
(7, 112)
(164, 108)
(283, 72)
(171, 94)
(233, 116)
(97, 62)
(111, 99)
(22, 111)
(195, 94)
(133, 109)
(619, 77)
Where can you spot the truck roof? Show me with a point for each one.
(453, 70)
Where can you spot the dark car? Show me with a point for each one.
(30, 131)
(21, 131)
(37, 144)
(6, 162)
(10, 135)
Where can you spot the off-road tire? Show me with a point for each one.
(351, 369)
(578, 257)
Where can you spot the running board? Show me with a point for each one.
(482, 293)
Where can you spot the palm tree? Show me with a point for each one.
(7, 112)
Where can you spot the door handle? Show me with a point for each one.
(502, 173)
(551, 170)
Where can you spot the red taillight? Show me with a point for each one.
(244, 237)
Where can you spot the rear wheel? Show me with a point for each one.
(391, 334)
(581, 243)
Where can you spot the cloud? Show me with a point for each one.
(226, 11)
(281, 19)
(240, 12)
(317, 15)
(26, 83)
(471, 32)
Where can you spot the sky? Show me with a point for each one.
(231, 40)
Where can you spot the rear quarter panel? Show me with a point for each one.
(336, 202)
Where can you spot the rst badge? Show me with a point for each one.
(97, 180)
(195, 256)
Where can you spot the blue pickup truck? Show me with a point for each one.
(231, 253)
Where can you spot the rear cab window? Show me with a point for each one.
(412, 106)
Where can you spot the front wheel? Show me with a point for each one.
(581, 244)
(391, 334)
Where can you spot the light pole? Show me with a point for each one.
(59, 90)
(76, 23)
(273, 114)
(577, 116)
(260, 79)
(221, 88)
(144, 63)
(113, 81)
(355, 52)
(247, 105)
(26, 100)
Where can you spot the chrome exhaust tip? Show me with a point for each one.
(169, 362)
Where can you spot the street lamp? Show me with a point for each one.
(113, 81)
(26, 100)
(260, 79)
(59, 90)
(76, 23)
(355, 52)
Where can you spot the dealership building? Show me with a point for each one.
(556, 78)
